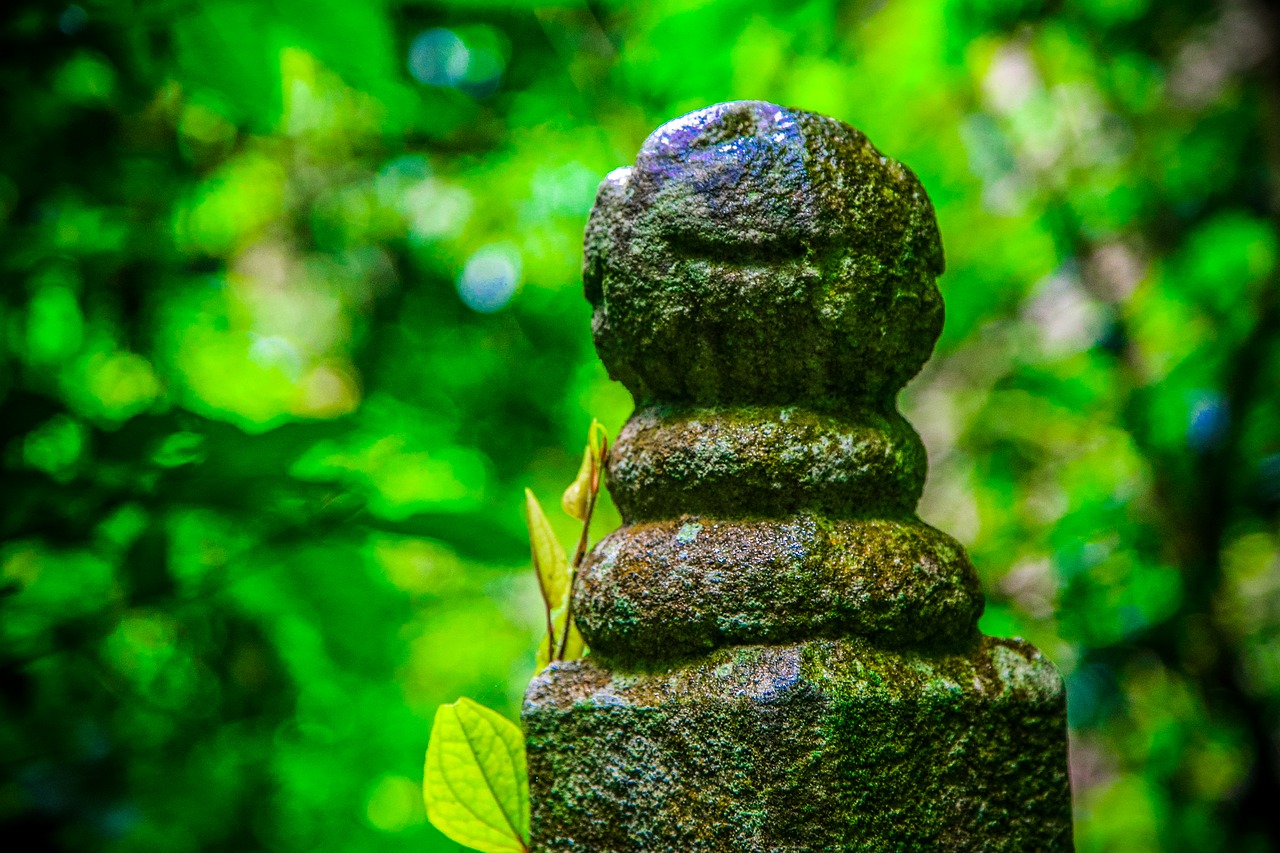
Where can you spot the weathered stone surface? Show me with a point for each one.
(819, 746)
(784, 658)
(771, 461)
(670, 589)
(756, 254)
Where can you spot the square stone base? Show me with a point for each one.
(820, 746)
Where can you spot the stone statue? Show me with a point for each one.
(783, 657)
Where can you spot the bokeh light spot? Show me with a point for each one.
(435, 208)
(437, 57)
(86, 78)
(180, 448)
(276, 351)
(1210, 419)
(55, 326)
(55, 446)
(327, 391)
(395, 804)
(122, 384)
(72, 20)
(490, 278)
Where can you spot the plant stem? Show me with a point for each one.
(580, 552)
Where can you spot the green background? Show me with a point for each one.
(291, 314)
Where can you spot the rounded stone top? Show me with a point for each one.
(762, 255)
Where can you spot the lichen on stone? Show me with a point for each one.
(756, 254)
(784, 658)
(827, 745)
(665, 589)
(765, 460)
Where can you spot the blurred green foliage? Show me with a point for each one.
(291, 314)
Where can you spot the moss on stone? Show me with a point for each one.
(756, 254)
(783, 657)
(765, 461)
(674, 589)
(825, 745)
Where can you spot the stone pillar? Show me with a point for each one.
(783, 656)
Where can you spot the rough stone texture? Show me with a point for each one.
(784, 658)
(770, 461)
(829, 745)
(660, 590)
(755, 254)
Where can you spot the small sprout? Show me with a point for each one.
(598, 439)
(563, 642)
(475, 782)
(549, 561)
(577, 496)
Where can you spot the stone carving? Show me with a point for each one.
(784, 658)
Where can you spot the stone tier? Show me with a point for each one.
(820, 746)
(771, 461)
(668, 589)
(760, 255)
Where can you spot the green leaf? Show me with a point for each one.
(549, 560)
(597, 440)
(475, 783)
(577, 498)
(575, 647)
